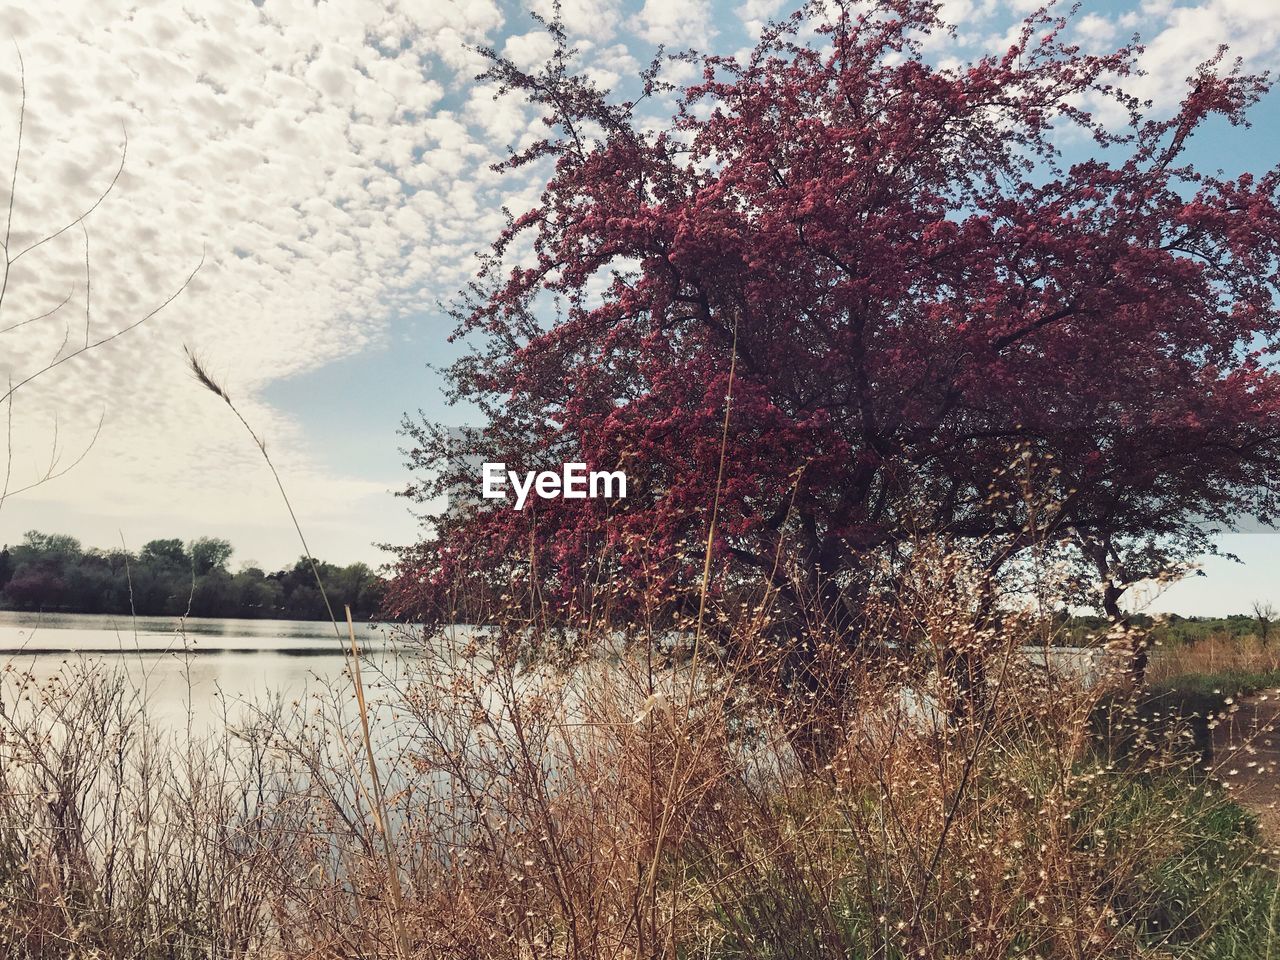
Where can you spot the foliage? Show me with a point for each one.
(169, 578)
(1172, 630)
(910, 290)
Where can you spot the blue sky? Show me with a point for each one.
(330, 161)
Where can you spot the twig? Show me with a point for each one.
(379, 811)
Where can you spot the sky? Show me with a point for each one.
(327, 168)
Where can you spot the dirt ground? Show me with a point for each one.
(1246, 756)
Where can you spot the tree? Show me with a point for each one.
(215, 595)
(51, 544)
(1264, 612)
(165, 553)
(165, 578)
(209, 554)
(889, 274)
(35, 589)
(257, 594)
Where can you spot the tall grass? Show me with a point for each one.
(1241, 663)
(631, 801)
(116, 840)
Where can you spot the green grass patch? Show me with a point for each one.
(1215, 687)
(1215, 895)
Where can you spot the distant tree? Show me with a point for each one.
(209, 554)
(357, 585)
(36, 588)
(1265, 613)
(256, 594)
(215, 595)
(165, 578)
(304, 602)
(51, 544)
(169, 552)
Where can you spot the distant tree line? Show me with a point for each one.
(54, 573)
(1171, 629)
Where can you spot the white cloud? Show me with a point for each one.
(529, 50)
(302, 149)
(1094, 31)
(754, 14)
(1177, 38)
(595, 19)
(760, 9)
(677, 23)
(1187, 36)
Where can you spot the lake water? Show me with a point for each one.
(193, 668)
(199, 671)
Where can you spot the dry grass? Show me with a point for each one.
(1215, 654)
(626, 804)
(117, 840)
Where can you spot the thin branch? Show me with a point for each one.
(17, 153)
(1013, 337)
(124, 150)
(13, 180)
(51, 473)
(8, 458)
(88, 281)
(53, 447)
(66, 338)
(44, 316)
(107, 339)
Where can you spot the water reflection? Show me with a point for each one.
(195, 671)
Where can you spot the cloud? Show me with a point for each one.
(1177, 39)
(677, 23)
(303, 150)
(1183, 37)
(529, 50)
(1095, 31)
(754, 14)
(595, 19)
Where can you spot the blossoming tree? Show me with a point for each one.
(895, 283)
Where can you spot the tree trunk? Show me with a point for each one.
(1138, 653)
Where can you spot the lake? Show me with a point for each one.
(198, 670)
(193, 668)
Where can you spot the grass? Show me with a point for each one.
(1197, 681)
(1232, 682)
(1207, 895)
(613, 808)
(1230, 664)
(1201, 894)
(626, 803)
